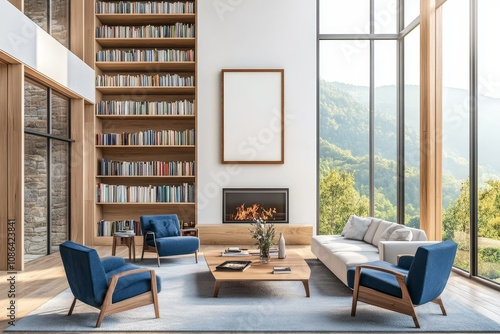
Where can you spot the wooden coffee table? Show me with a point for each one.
(259, 271)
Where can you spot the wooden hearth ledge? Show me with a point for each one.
(239, 234)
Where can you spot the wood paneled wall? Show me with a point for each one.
(15, 156)
(430, 124)
(3, 165)
(239, 234)
(78, 172)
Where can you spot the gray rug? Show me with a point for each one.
(186, 304)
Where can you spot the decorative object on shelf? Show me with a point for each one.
(264, 233)
(253, 107)
(281, 249)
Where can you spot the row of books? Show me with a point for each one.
(144, 80)
(141, 7)
(140, 168)
(181, 107)
(147, 137)
(177, 30)
(145, 55)
(110, 193)
(107, 228)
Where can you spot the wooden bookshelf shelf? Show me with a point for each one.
(146, 89)
(141, 179)
(180, 147)
(145, 117)
(146, 204)
(184, 42)
(178, 66)
(139, 19)
(162, 98)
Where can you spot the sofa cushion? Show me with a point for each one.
(381, 229)
(358, 227)
(371, 230)
(387, 233)
(402, 234)
(349, 245)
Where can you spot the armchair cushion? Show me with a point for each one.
(177, 245)
(85, 273)
(111, 263)
(164, 228)
(131, 285)
(377, 280)
(161, 225)
(405, 261)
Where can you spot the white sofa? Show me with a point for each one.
(339, 253)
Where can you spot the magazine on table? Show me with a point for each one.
(234, 266)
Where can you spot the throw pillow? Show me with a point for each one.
(371, 230)
(163, 228)
(380, 229)
(358, 228)
(347, 225)
(387, 233)
(402, 234)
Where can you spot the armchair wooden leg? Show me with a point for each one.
(158, 258)
(439, 301)
(355, 292)
(72, 307)
(154, 292)
(142, 255)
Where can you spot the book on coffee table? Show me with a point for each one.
(234, 266)
(282, 270)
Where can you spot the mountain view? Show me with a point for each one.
(344, 160)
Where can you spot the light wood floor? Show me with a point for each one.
(44, 278)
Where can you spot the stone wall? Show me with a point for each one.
(37, 11)
(37, 175)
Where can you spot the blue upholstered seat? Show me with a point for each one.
(414, 281)
(109, 283)
(163, 235)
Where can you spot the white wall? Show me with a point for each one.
(23, 40)
(258, 34)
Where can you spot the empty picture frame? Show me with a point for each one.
(253, 116)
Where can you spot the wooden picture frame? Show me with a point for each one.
(253, 116)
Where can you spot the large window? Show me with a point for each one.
(52, 16)
(46, 169)
(471, 163)
(368, 104)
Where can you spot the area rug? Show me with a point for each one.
(187, 305)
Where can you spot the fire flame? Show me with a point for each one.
(252, 212)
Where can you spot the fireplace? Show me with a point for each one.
(242, 205)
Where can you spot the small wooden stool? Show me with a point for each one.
(128, 241)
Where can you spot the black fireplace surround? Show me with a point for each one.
(242, 205)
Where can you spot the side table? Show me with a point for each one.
(129, 241)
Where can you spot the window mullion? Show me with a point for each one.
(473, 132)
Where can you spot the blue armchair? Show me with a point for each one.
(416, 280)
(111, 284)
(163, 236)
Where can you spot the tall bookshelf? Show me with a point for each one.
(145, 115)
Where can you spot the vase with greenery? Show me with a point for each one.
(264, 233)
